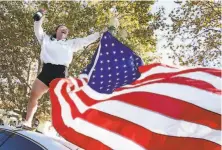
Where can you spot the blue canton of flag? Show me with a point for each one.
(113, 65)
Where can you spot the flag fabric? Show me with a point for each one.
(112, 66)
(165, 108)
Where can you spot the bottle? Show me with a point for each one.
(39, 14)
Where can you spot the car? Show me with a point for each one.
(20, 139)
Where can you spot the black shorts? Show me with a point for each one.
(50, 72)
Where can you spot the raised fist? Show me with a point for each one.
(39, 14)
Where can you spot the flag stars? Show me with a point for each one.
(110, 75)
(101, 82)
(107, 53)
(125, 71)
(105, 37)
(101, 76)
(114, 52)
(113, 44)
(123, 59)
(101, 88)
(109, 85)
(101, 62)
(106, 45)
(93, 76)
(115, 60)
(117, 73)
(101, 69)
(121, 52)
(108, 61)
(93, 82)
(109, 68)
(117, 67)
(124, 66)
(117, 79)
(109, 81)
(125, 76)
(101, 54)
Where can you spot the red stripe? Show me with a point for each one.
(165, 105)
(79, 82)
(66, 132)
(216, 72)
(140, 135)
(145, 68)
(183, 81)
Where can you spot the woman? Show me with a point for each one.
(56, 55)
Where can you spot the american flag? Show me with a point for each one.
(165, 108)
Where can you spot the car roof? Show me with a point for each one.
(46, 141)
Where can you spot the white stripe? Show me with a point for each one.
(79, 104)
(199, 97)
(145, 82)
(158, 123)
(211, 79)
(96, 59)
(109, 138)
(74, 82)
(82, 76)
(158, 69)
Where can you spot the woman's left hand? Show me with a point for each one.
(103, 30)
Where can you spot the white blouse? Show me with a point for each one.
(60, 52)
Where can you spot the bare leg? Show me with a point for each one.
(38, 89)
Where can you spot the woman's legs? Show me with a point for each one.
(38, 89)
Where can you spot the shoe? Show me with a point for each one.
(24, 125)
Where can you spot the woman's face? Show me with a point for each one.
(62, 32)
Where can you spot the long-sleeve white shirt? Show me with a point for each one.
(59, 52)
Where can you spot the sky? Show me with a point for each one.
(168, 5)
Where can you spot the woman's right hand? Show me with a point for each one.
(39, 14)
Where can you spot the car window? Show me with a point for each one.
(17, 142)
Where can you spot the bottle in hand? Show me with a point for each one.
(39, 14)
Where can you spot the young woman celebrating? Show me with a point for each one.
(56, 55)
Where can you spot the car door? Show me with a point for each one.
(12, 141)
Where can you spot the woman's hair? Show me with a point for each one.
(54, 34)
(59, 26)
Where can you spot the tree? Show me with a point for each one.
(195, 33)
(20, 50)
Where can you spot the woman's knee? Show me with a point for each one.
(35, 95)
